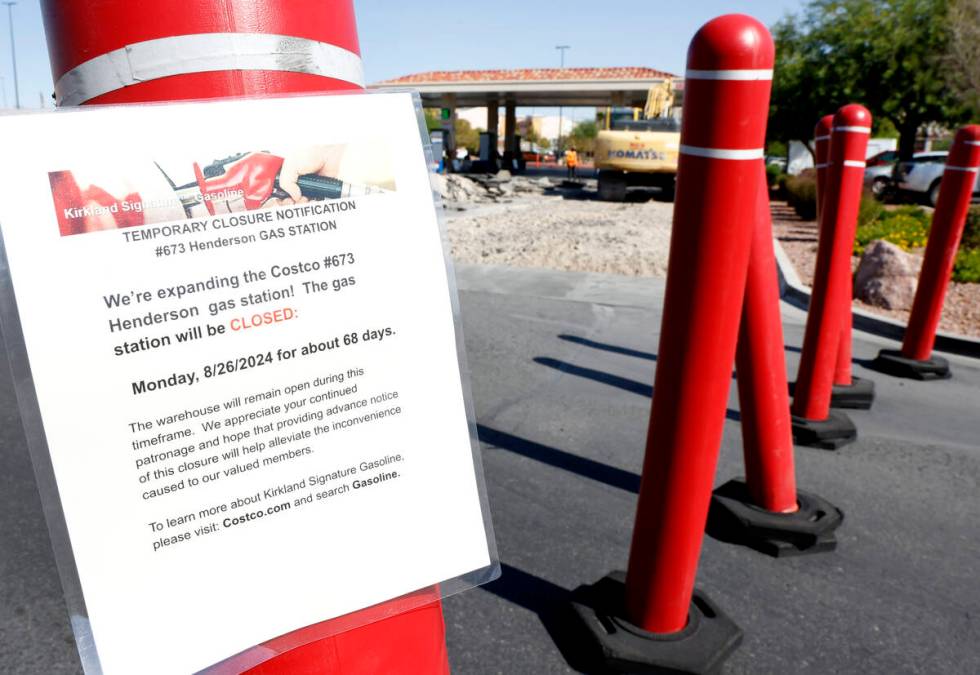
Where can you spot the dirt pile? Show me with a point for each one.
(581, 234)
(457, 189)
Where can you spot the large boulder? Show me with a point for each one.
(886, 276)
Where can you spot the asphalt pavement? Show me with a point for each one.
(562, 369)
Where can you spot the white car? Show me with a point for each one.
(878, 173)
(922, 175)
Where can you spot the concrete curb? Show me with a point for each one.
(792, 290)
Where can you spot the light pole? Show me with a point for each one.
(13, 51)
(561, 49)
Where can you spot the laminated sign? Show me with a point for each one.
(235, 339)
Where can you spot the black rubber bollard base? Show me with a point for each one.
(701, 648)
(834, 432)
(858, 395)
(892, 362)
(735, 518)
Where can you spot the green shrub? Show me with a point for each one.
(966, 269)
(773, 172)
(781, 180)
(971, 231)
(906, 227)
(776, 149)
(801, 193)
(870, 209)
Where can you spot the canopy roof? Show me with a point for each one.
(534, 86)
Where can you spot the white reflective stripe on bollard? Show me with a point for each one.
(722, 153)
(728, 75)
(205, 52)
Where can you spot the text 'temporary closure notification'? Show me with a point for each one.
(244, 353)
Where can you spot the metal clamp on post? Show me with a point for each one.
(655, 621)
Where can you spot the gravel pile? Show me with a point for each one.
(570, 232)
(454, 188)
(524, 222)
(458, 191)
(961, 311)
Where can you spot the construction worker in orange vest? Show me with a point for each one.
(571, 161)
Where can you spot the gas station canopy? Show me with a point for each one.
(598, 87)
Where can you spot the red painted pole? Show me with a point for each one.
(842, 369)
(114, 51)
(821, 138)
(944, 239)
(825, 319)
(118, 51)
(847, 391)
(821, 143)
(821, 150)
(767, 434)
(727, 86)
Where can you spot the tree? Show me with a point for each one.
(964, 50)
(889, 55)
(583, 136)
(466, 136)
(433, 118)
(525, 127)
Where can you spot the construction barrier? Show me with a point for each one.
(848, 391)
(727, 87)
(765, 511)
(117, 51)
(915, 360)
(814, 424)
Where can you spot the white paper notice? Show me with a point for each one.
(240, 328)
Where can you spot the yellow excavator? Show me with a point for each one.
(639, 148)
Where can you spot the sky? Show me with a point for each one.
(399, 38)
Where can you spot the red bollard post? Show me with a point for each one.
(728, 81)
(132, 52)
(915, 360)
(821, 151)
(765, 511)
(117, 51)
(814, 424)
(760, 366)
(848, 391)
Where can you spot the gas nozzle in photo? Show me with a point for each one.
(254, 177)
(100, 196)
